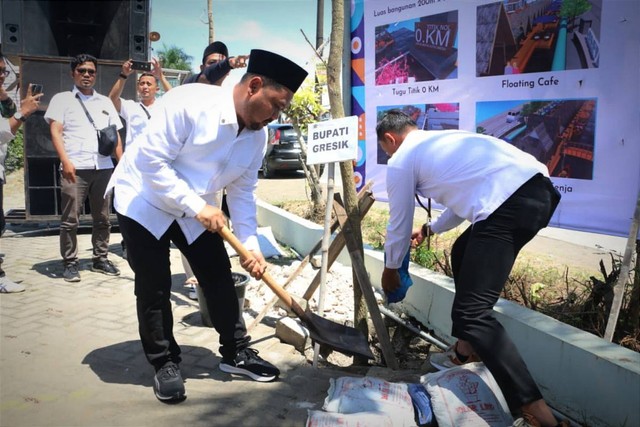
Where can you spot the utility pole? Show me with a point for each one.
(210, 18)
(320, 24)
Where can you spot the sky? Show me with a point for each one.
(242, 25)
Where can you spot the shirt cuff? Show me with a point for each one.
(252, 243)
(194, 204)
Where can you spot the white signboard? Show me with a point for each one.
(333, 141)
(558, 82)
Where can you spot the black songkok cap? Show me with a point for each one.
(277, 68)
(215, 47)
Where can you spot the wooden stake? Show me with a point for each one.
(357, 261)
(618, 289)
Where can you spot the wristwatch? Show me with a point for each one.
(425, 230)
(18, 116)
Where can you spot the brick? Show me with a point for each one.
(292, 332)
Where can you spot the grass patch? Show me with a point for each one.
(573, 296)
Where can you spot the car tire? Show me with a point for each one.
(267, 172)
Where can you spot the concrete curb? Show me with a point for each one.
(581, 375)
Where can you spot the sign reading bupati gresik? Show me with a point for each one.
(332, 141)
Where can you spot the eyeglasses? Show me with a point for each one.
(83, 71)
(5, 72)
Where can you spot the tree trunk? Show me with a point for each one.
(334, 73)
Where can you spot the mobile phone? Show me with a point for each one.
(141, 65)
(36, 89)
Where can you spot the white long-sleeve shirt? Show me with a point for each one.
(189, 151)
(470, 174)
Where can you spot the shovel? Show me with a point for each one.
(344, 339)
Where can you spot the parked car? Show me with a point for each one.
(283, 150)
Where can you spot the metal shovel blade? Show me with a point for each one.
(341, 338)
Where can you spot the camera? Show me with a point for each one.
(141, 65)
(36, 89)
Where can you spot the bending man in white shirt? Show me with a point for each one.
(507, 196)
(201, 139)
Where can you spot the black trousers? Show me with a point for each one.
(149, 260)
(482, 258)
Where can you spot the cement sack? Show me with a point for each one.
(348, 395)
(467, 396)
(359, 419)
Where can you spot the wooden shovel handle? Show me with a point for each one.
(266, 277)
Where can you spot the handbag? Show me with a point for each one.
(107, 140)
(107, 137)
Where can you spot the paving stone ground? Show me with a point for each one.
(70, 353)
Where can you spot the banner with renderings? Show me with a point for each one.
(556, 78)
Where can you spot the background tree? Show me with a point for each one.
(305, 108)
(15, 153)
(174, 58)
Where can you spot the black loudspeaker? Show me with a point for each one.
(139, 30)
(106, 29)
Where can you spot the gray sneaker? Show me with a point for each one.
(168, 384)
(71, 273)
(105, 267)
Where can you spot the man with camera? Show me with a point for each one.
(10, 121)
(137, 114)
(216, 65)
(79, 119)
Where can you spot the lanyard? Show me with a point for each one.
(145, 110)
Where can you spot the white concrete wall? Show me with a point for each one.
(583, 376)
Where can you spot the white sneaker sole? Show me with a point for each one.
(240, 371)
(97, 270)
